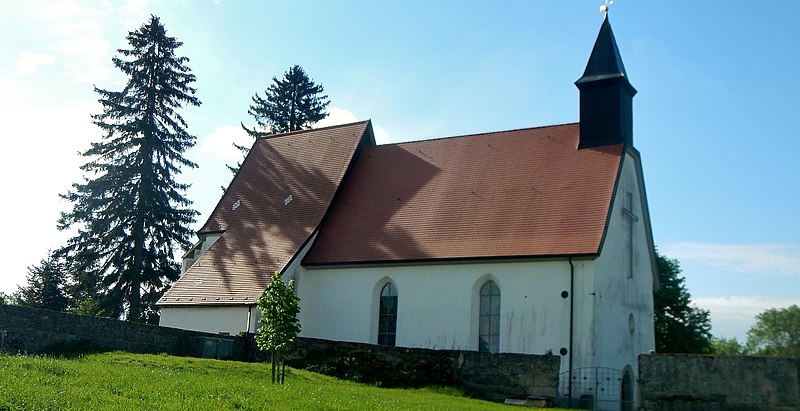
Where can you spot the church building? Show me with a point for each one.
(532, 241)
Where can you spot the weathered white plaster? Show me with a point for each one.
(618, 296)
(438, 304)
(213, 319)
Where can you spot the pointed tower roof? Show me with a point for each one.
(606, 95)
(605, 61)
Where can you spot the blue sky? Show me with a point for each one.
(717, 117)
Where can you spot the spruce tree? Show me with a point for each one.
(292, 103)
(129, 212)
(46, 285)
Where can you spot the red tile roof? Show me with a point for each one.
(520, 193)
(281, 193)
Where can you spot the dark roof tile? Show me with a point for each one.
(519, 193)
(281, 193)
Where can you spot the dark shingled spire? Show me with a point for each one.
(606, 95)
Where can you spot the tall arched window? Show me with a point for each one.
(489, 319)
(387, 315)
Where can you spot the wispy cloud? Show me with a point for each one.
(75, 33)
(28, 62)
(758, 259)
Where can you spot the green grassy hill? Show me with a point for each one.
(122, 381)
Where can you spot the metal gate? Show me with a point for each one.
(593, 388)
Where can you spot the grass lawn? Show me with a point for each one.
(122, 381)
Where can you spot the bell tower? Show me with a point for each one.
(606, 95)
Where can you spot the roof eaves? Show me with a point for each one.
(450, 260)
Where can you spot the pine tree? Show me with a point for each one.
(46, 284)
(292, 103)
(129, 212)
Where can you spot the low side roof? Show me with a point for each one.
(520, 193)
(272, 206)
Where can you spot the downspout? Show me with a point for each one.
(249, 318)
(247, 332)
(571, 324)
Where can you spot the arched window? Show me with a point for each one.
(489, 318)
(387, 315)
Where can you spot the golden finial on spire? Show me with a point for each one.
(606, 5)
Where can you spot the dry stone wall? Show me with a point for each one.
(31, 330)
(710, 383)
(492, 376)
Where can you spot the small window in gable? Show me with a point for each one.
(489, 318)
(387, 315)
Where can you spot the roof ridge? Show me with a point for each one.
(308, 130)
(481, 134)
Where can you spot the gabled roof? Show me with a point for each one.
(521, 193)
(268, 212)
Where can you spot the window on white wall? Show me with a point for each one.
(387, 315)
(489, 319)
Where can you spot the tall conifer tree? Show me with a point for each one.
(292, 103)
(129, 212)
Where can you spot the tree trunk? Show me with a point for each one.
(134, 308)
(283, 370)
(273, 365)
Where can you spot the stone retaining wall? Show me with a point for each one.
(706, 383)
(32, 330)
(492, 376)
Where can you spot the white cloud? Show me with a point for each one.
(28, 62)
(38, 163)
(339, 115)
(381, 136)
(732, 316)
(219, 143)
(759, 259)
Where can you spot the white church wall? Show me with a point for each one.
(583, 346)
(623, 281)
(212, 319)
(438, 304)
